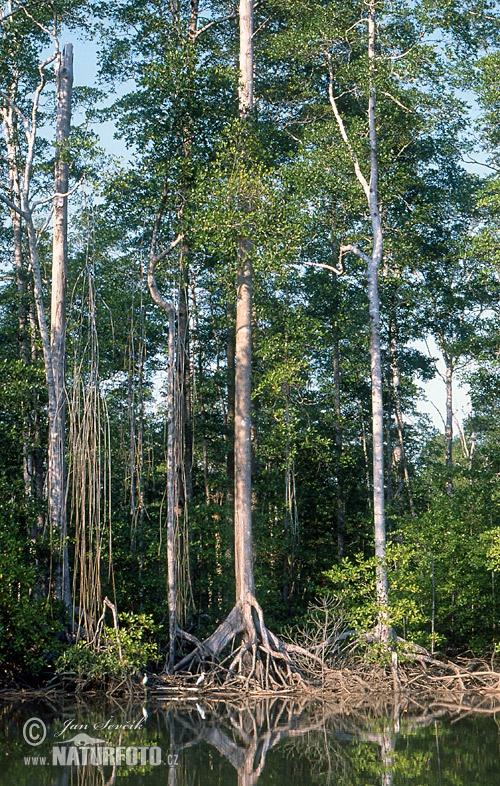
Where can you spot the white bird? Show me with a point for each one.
(144, 680)
(201, 711)
(200, 679)
(145, 713)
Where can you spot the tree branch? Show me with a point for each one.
(396, 101)
(343, 132)
(337, 270)
(153, 261)
(206, 27)
(353, 250)
(13, 206)
(58, 194)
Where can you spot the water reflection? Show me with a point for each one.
(278, 741)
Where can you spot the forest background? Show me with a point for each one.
(118, 323)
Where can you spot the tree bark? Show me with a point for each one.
(448, 434)
(9, 122)
(395, 379)
(243, 349)
(168, 307)
(171, 495)
(341, 531)
(57, 470)
(375, 353)
(242, 427)
(184, 429)
(370, 189)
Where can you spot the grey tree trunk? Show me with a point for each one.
(231, 370)
(184, 429)
(375, 353)
(9, 122)
(171, 496)
(448, 433)
(243, 349)
(341, 531)
(57, 470)
(395, 380)
(370, 189)
(53, 339)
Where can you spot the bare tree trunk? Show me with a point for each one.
(57, 470)
(183, 377)
(231, 370)
(389, 452)
(393, 351)
(448, 434)
(10, 131)
(193, 19)
(243, 350)
(171, 496)
(242, 427)
(375, 353)
(370, 189)
(53, 339)
(341, 532)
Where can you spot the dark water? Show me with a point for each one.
(283, 743)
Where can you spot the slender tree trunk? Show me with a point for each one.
(57, 470)
(231, 370)
(193, 19)
(53, 339)
(242, 428)
(389, 452)
(370, 189)
(341, 531)
(171, 496)
(375, 353)
(243, 350)
(183, 377)
(448, 434)
(393, 351)
(168, 307)
(10, 131)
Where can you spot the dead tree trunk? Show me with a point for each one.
(53, 339)
(57, 470)
(9, 122)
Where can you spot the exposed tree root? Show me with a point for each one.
(261, 660)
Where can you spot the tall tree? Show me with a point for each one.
(57, 470)
(243, 354)
(373, 261)
(23, 162)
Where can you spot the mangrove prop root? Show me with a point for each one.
(261, 660)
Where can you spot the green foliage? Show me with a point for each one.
(191, 158)
(440, 577)
(118, 653)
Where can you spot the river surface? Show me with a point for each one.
(278, 742)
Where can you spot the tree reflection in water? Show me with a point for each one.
(323, 736)
(281, 741)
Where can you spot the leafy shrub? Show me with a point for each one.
(116, 653)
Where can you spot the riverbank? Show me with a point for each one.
(467, 684)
